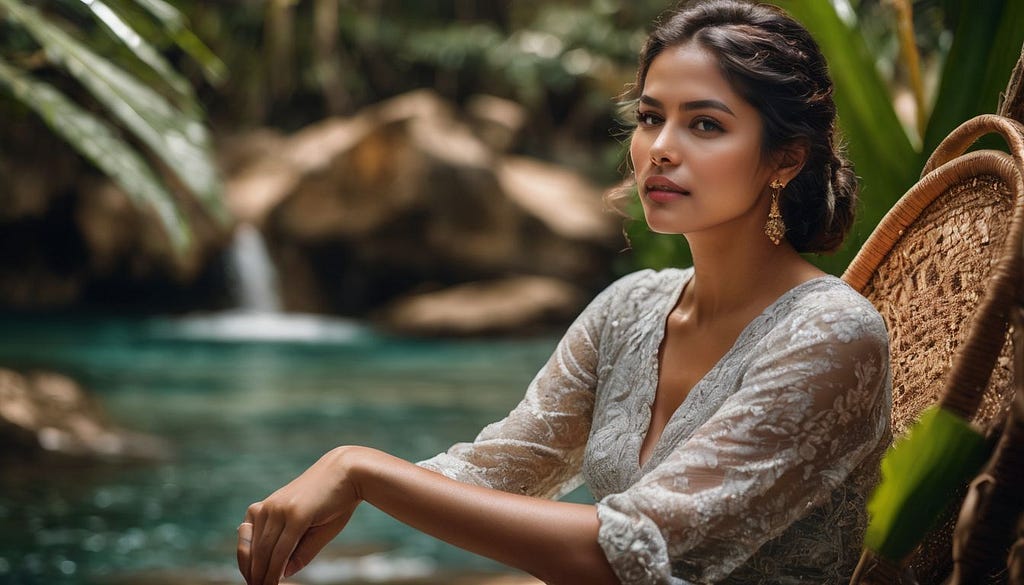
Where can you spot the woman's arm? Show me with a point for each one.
(554, 541)
(463, 496)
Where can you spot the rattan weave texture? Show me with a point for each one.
(943, 269)
(931, 283)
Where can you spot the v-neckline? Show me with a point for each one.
(650, 391)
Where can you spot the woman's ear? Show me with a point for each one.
(789, 159)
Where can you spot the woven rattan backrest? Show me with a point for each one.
(927, 268)
(941, 268)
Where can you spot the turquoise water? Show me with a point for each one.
(243, 417)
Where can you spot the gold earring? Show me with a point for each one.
(775, 228)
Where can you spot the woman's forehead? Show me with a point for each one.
(685, 73)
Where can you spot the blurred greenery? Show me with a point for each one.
(293, 63)
(287, 63)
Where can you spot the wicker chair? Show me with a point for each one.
(994, 506)
(943, 268)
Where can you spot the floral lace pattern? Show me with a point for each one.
(761, 474)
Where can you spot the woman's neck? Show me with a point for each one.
(734, 276)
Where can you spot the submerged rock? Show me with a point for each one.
(45, 412)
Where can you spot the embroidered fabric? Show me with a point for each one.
(762, 473)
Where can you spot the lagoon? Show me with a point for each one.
(247, 401)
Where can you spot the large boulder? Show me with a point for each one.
(45, 412)
(409, 195)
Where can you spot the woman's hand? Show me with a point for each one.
(284, 532)
(555, 541)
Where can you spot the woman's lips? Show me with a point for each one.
(661, 190)
(664, 196)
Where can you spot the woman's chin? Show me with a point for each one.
(659, 226)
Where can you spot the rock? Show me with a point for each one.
(508, 305)
(45, 412)
(34, 285)
(360, 211)
(563, 200)
(97, 238)
(39, 171)
(237, 151)
(198, 577)
(496, 121)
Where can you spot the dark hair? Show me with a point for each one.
(774, 64)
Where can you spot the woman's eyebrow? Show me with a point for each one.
(646, 99)
(694, 105)
(713, 104)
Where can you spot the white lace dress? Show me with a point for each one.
(762, 473)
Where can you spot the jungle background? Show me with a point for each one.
(237, 222)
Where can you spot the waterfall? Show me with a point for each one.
(257, 316)
(253, 273)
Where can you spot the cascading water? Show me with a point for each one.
(258, 314)
(253, 272)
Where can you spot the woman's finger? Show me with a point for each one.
(266, 532)
(244, 549)
(311, 543)
(283, 548)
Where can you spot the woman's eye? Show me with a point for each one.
(647, 118)
(706, 125)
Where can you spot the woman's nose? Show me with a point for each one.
(663, 151)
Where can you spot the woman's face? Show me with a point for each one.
(696, 150)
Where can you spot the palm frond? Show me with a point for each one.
(920, 475)
(179, 140)
(101, 145)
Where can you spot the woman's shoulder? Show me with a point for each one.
(642, 283)
(641, 293)
(831, 302)
(833, 292)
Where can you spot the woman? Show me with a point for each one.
(728, 418)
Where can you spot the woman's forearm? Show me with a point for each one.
(554, 541)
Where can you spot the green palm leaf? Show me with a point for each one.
(179, 140)
(920, 475)
(142, 50)
(101, 145)
(176, 27)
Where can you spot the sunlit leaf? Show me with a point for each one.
(179, 140)
(144, 51)
(176, 27)
(920, 475)
(97, 142)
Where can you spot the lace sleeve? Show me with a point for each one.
(812, 405)
(537, 449)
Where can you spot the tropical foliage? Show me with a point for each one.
(294, 62)
(106, 89)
